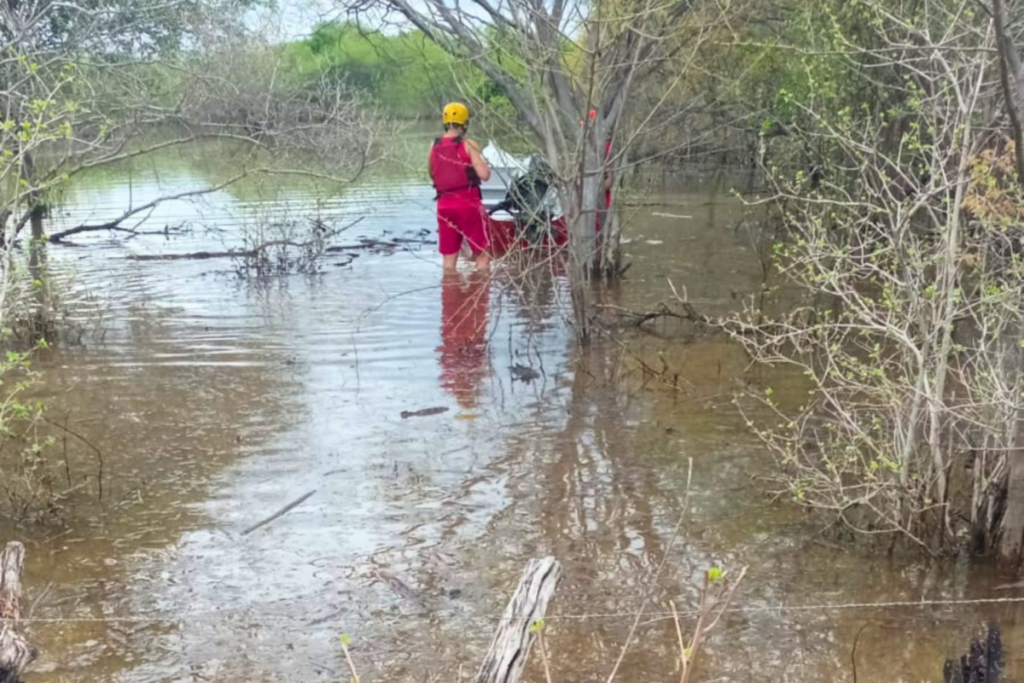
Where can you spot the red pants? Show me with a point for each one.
(455, 223)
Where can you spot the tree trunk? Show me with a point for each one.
(611, 245)
(510, 649)
(42, 315)
(611, 237)
(5, 219)
(37, 255)
(15, 652)
(1012, 530)
(948, 277)
(579, 284)
(1012, 527)
(580, 207)
(1012, 80)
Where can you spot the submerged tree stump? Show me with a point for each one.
(510, 648)
(15, 652)
(982, 664)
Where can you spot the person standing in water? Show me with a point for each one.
(457, 168)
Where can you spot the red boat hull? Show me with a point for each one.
(504, 236)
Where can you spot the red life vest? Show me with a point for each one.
(451, 169)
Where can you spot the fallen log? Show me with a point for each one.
(383, 245)
(194, 255)
(254, 252)
(15, 651)
(231, 253)
(510, 648)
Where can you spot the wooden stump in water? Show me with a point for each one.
(510, 648)
(982, 664)
(15, 652)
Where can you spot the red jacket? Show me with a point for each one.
(451, 169)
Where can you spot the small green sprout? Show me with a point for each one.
(537, 626)
(716, 574)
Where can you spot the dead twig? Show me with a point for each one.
(348, 660)
(280, 513)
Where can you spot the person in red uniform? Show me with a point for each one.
(457, 168)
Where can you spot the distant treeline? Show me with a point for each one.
(406, 74)
(762, 82)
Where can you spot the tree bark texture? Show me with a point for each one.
(1012, 79)
(581, 203)
(15, 652)
(506, 658)
(1011, 533)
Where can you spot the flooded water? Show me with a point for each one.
(210, 403)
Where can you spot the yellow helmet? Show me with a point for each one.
(455, 113)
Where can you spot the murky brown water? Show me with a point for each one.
(214, 403)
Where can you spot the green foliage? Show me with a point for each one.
(47, 116)
(133, 28)
(820, 74)
(907, 252)
(788, 73)
(407, 73)
(28, 481)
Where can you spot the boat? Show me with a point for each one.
(522, 205)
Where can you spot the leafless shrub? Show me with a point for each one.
(103, 82)
(909, 331)
(279, 246)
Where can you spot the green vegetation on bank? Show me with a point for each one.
(406, 74)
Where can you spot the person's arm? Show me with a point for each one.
(483, 171)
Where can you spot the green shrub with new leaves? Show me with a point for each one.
(30, 486)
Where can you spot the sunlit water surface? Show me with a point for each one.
(211, 402)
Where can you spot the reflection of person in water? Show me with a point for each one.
(464, 306)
